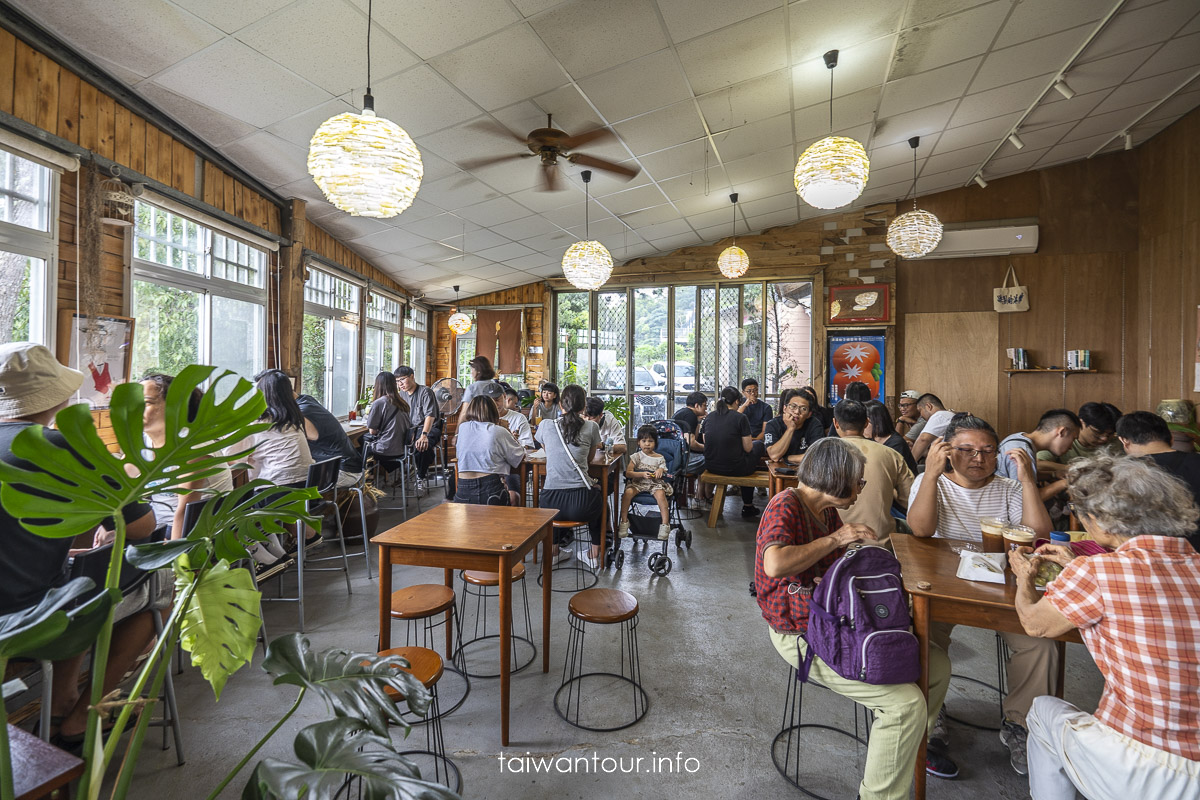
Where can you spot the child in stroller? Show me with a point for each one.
(647, 472)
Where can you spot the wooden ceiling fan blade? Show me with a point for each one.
(488, 126)
(550, 177)
(476, 163)
(585, 160)
(583, 138)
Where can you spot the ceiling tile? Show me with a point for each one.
(1017, 162)
(457, 191)
(820, 25)
(229, 15)
(848, 112)
(269, 158)
(477, 239)
(773, 220)
(760, 165)
(420, 101)
(1113, 123)
(624, 92)
(1136, 28)
(550, 242)
(665, 230)
(304, 189)
(634, 199)
(1143, 91)
(1181, 103)
(1071, 151)
(493, 212)
(435, 168)
(1086, 77)
(210, 125)
(768, 186)
(348, 228)
(142, 37)
(531, 261)
(988, 130)
(923, 11)
(948, 40)
(767, 205)
(432, 251)
(948, 180)
(691, 184)
(996, 102)
(418, 210)
(698, 204)
(440, 228)
(748, 101)
(858, 68)
(651, 216)
(299, 129)
(1040, 138)
(682, 160)
(586, 42)
(552, 271)
(518, 66)
(568, 215)
(540, 202)
(754, 137)
(893, 155)
(923, 122)
(236, 80)
(492, 271)
(661, 129)
(1031, 20)
(738, 53)
(599, 227)
(1179, 53)
(669, 243)
(926, 88)
(393, 240)
(1040, 57)
(1054, 110)
(431, 27)
(687, 19)
(572, 111)
(967, 156)
(322, 41)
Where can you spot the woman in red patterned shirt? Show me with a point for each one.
(1138, 611)
(799, 537)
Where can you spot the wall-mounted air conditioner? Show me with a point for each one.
(972, 242)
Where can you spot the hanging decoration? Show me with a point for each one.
(117, 203)
(459, 322)
(733, 261)
(365, 165)
(832, 173)
(587, 264)
(915, 233)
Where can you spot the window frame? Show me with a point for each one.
(332, 314)
(383, 327)
(42, 245)
(412, 332)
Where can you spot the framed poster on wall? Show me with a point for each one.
(99, 347)
(857, 356)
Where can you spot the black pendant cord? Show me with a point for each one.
(368, 100)
(831, 100)
(914, 189)
(587, 202)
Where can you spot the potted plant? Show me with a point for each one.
(215, 610)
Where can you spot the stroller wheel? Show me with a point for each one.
(620, 558)
(660, 565)
(689, 539)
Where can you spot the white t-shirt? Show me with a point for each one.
(484, 447)
(280, 456)
(519, 425)
(960, 509)
(937, 423)
(611, 428)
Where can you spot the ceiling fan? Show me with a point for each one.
(549, 143)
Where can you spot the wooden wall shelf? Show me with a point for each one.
(1052, 371)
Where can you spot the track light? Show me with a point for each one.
(980, 181)
(1015, 141)
(1128, 141)
(1061, 87)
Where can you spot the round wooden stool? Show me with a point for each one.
(426, 666)
(609, 693)
(572, 575)
(485, 586)
(421, 608)
(787, 746)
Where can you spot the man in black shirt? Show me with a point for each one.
(33, 388)
(1146, 435)
(331, 441)
(790, 434)
(425, 426)
(756, 411)
(689, 418)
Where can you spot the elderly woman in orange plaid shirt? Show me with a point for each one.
(1138, 611)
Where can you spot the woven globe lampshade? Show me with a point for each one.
(733, 262)
(460, 323)
(367, 166)
(587, 265)
(914, 234)
(832, 173)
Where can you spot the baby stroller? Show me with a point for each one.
(644, 516)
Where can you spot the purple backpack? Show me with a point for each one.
(858, 620)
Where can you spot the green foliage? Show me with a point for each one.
(79, 486)
(312, 357)
(618, 406)
(167, 335)
(220, 625)
(334, 751)
(351, 684)
(23, 633)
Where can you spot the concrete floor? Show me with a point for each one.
(716, 690)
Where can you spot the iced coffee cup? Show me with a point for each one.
(992, 530)
(1018, 536)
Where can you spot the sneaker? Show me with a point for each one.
(939, 765)
(564, 555)
(749, 512)
(664, 532)
(623, 530)
(939, 737)
(1014, 736)
(591, 563)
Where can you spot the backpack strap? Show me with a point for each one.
(805, 665)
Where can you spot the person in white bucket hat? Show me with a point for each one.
(33, 388)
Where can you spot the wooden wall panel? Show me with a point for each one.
(67, 125)
(47, 98)
(8, 58)
(967, 380)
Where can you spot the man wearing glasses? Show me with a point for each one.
(795, 430)
(1097, 437)
(910, 423)
(1055, 433)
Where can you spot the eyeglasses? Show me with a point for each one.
(971, 452)
(795, 408)
(862, 482)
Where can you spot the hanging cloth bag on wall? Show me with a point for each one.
(1010, 298)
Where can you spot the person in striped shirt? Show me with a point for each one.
(958, 488)
(1138, 611)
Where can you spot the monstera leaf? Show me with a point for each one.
(351, 684)
(337, 751)
(76, 487)
(221, 622)
(24, 632)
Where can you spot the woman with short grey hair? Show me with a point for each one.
(799, 538)
(1138, 611)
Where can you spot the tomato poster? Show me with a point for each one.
(856, 358)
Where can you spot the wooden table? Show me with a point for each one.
(603, 468)
(931, 563)
(461, 536)
(39, 767)
(781, 482)
(355, 431)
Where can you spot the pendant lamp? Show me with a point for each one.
(733, 261)
(832, 173)
(459, 322)
(365, 165)
(916, 233)
(587, 264)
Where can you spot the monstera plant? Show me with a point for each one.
(215, 613)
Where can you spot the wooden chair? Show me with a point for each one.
(479, 584)
(602, 607)
(760, 480)
(426, 666)
(421, 607)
